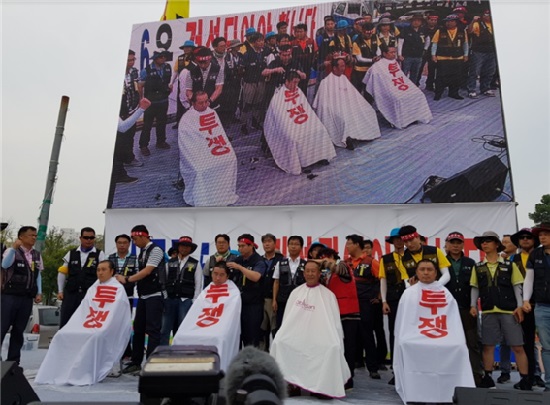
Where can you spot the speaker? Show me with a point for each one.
(481, 182)
(484, 396)
(16, 390)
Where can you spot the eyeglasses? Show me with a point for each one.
(88, 237)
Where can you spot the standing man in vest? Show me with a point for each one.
(223, 253)
(183, 284)
(79, 271)
(459, 286)
(247, 271)
(125, 264)
(527, 242)
(149, 278)
(497, 283)
(304, 51)
(184, 61)
(323, 45)
(207, 76)
(365, 47)
(429, 31)
(21, 285)
(393, 278)
(368, 290)
(537, 286)
(287, 275)
(155, 85)
(450, 52)
(416, 251)
(271, 258)
(483, 63)
(411, 45)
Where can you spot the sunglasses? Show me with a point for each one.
(88, 237)
(526, 237)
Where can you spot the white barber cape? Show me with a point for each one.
(309, 346)
(296, 137)
(208, 163)
(344, 112)
(214, 319)
(399, 100)
(84, 351)
(431, 356)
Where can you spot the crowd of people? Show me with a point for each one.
(284, 84)
(509, 286)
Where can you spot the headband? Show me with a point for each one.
(139, 233)
(248, 242)
(455, 236)
(410, 236)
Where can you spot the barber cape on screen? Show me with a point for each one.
(214, 319)
(431, 356)
(84, 351)
(208, 163)
(399, 100)
(296, 137)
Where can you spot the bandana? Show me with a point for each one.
(139, 233)
(455, 236)
(410, 236)
(248, 242)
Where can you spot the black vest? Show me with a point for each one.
(129, 268)
(342, 44)
(395, 285)
(287, 283)
(207, 270)
(428, 252)
(157, 83)
(452, 48)
(181, 283)
(208, 85)
(324, 48)
(541, 285)
(367, 50)
(130, 94)
(251, 292)
(20, 278)
(460, 286)
(516, 258)
(184, 62)
(268, 279)
(391, 42)
(498, 290)
(485, 43)
(152, 283)
(413, 44)
(81, 275)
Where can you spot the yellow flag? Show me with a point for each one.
(175, 9)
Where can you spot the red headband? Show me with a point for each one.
(140, 233)
(455, 236)
(410, 236)
(248, 242)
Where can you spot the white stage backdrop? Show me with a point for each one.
(327, 224)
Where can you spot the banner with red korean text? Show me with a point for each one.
(328, 224)
(455, 152)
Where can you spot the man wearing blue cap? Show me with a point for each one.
(450, 51)
(247, 45)
(392, 283)
(155, 85)
(341, 45)
(184, 61)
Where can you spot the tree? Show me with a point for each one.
(54, 249)
(542, 210)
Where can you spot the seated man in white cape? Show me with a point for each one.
(343, 111)
(215, 317)
(94, 339)
(399, 100)
(309, 347)
(208, 163)
(431, 356)
(296, 137)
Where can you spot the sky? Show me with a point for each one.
(78, 48)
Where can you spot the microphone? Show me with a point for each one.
(253, 377)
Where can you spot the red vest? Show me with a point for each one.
(346, 294)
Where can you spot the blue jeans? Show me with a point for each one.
(482, 65)
(542, 320)
(174, 312)
(412, 66)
